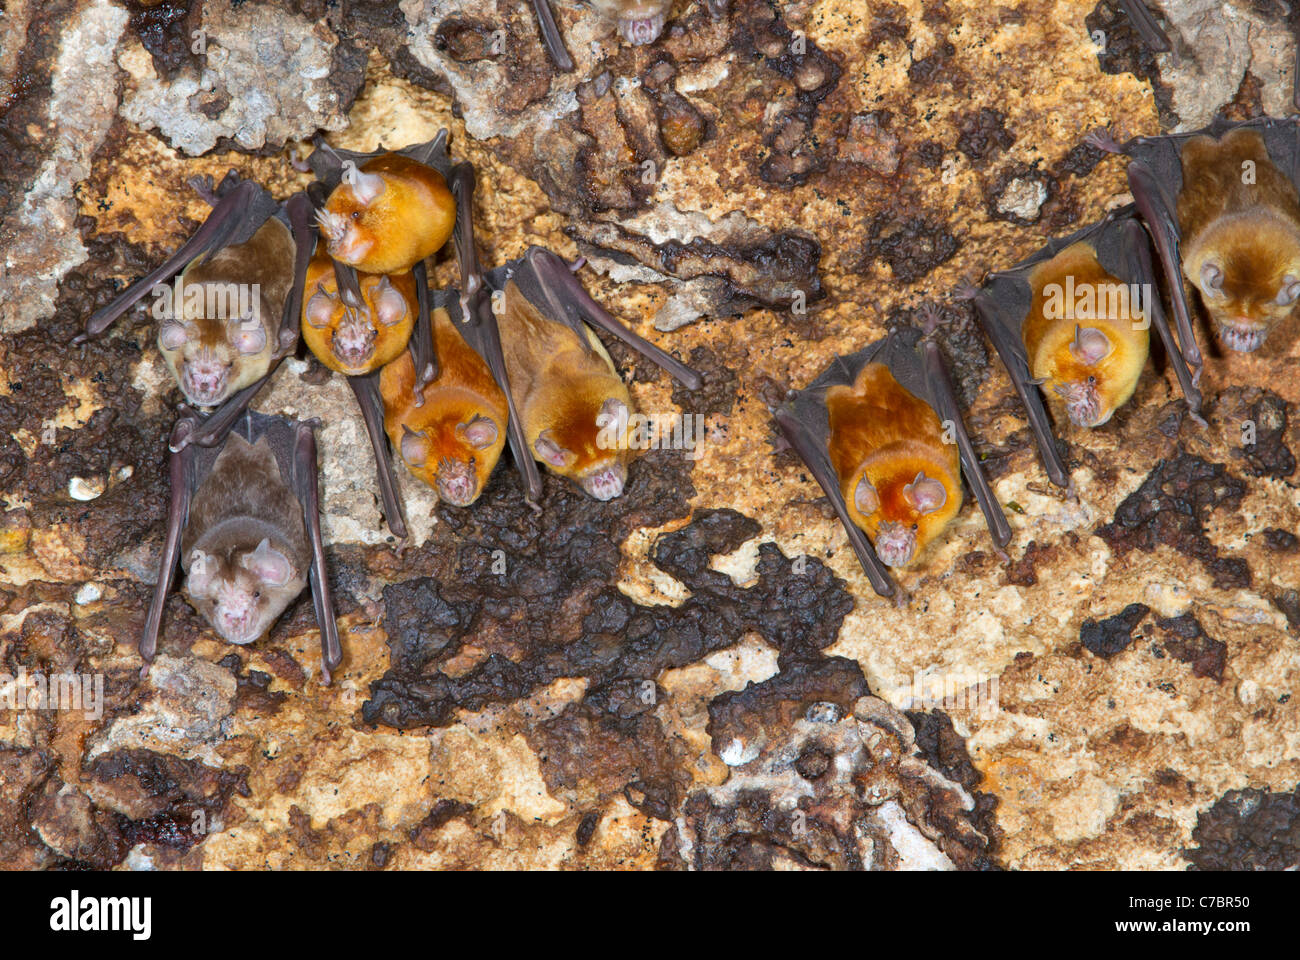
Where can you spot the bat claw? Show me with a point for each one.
(966, 290)
(931, 316)
(1100, 138)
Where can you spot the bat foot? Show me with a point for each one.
(144, 670)
(931, 317)
(901, 597)
(1100, 138)
(966, 290)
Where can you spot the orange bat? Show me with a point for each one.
(573, 405)
(453, 436)
(355, 341)
(883, 435)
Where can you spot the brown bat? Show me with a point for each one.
(561, 378)
(1073, 319)
(234, 312)
(882, 433)
(357, 341)
(1232, 226)
(244, 523)
(454, 437)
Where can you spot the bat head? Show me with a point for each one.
(585, 438)
(902, 505)
(355, 215)
(454, 453)
(1093, 366)
(241, 590)
(218, 343)
(355, 341)
(639, 21)
(1248, 272)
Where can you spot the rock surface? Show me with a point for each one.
(696, 675)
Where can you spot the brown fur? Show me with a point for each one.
(877, 427)
(560, 383)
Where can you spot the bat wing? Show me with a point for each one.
(327, 162)
(371, 402)
(304, 483)
(242, 207)
(1001, 306)
(805, 424)
(549, 284)
(916, 363)
(551, 36)
(1124, 251)
(478, 326)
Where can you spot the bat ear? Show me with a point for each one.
(925, 493)
(1090, 345)
(390, 305)
(1289, 292)
(248, 335)
(202, 568)
(480, 432)
(612, 411)
(366, 187)
(865, 497)
(268, 564)
(415, 446)
(1212, 278)
(172, 335)
(549, 450)
(320, 308)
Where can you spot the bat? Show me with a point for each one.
(639, 21)
(357, 340)
(243, 522)
(234, 312)
(453, 439)
(1073, 320)
(882, 434)
(1232, 227)
(572, 405)
(383, 210)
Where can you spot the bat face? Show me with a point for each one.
(584, 437)
(1085, 338)
(357, 341)
(244, 550)
(1248, 273)
(1240, 219)
(453, 440)
(221, 334)
(387, 215)
(900, 481)
(241, 590)
(639, 21)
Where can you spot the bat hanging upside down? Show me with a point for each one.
(882, 434)
(233, 313)
(1073, 320)
(244, 524)
(1233, 225)
(572, 403)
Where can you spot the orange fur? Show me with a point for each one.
(878, 428)
(560, 384)
(464, 389)
(389, 341)
(1251, 232)
(410, 220)
(1047, 339)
